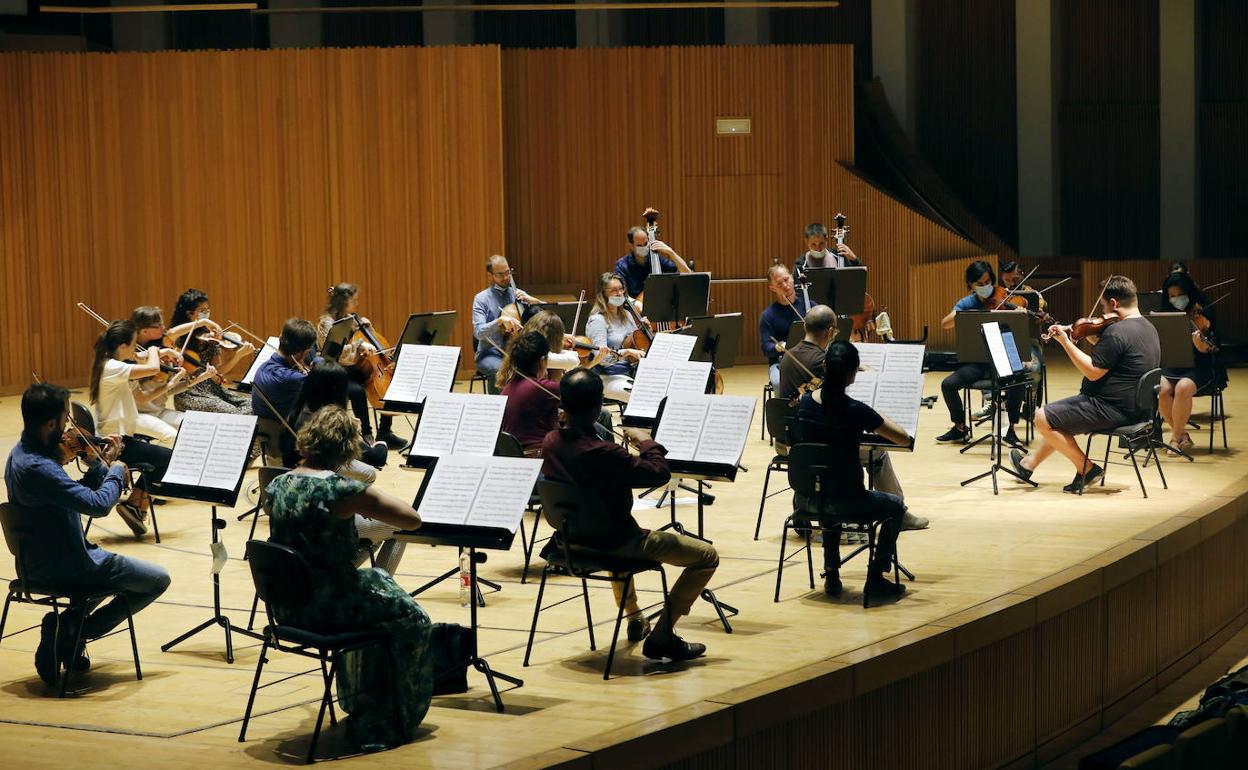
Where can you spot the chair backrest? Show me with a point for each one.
(507, 445)
(281, 574)
(1146, 393)
(270, 433)
(823, 471)
(1204, 745)
(83, 417)
(575, 513)
(778, 416)
(1163, 757)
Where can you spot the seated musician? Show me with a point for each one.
(806, 359)
(112, 391)
(574, 454)
(1126, 351)
(778, 318)
(561, 357)
(279, 379)
(328, 384)
(819, 255)
(344, 300)
(151, 393)
(1180, 386)
(386, 688)
(830, 416)
(1012, 280)
(489, 323)
(192, 308)
(981, 283)
(634, 267)
(532, 407)
(609, 326)
(58, 554)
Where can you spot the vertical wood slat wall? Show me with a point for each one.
(1148, 274)
(261, 177)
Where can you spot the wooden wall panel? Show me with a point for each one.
(593, 136)
(259, 176)
(1131, 635)
(1070, 654)
(995, 688)
(1178, 606)
(1148, 275)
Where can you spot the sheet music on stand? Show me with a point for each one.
(890, 381)
(421, 370)
(457, 424)
(668, 346)
(474, 491)
(656, 380)
(263, 354)
(209, 457)
(708, 430)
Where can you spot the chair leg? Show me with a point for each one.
(251, 618)
(537, 607)
(1139, 476)
(810, 560)
(762, 502)
(251, 534)
(333, 718)
(528, 554)
(4, 618)
(589, 619)
(134, 643)
(77, 645)
(87, 528)
(251, 697)
(866, 586)
(1087, 452)
(1157, 461)
(619, 616)
(784, 537)
(320, 714)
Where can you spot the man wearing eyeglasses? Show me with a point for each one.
(489, 325)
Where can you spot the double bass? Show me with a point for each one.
(864, 322)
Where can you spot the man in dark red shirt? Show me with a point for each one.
(576, 455)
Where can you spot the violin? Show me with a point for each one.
(1085, 327)
(75, 444)
(375, 364)
(1201, 325)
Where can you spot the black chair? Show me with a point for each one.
(815, 472)
(575, 513)
(769, 392)
(138, 471)
(1217, 405)
(282, 576)
(508, 445)
(269, 436)
(476, 375)
(1137, 436)
(16, 523)
(777, 420)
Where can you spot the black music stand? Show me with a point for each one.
(719, 336)
(472, 538)
(1152, 302)
(337, 337)
(673, 297)
(840, 288)
(1177, 352)
(1014, 375)
(216, 497)
(427, 329)
(969, 344)
(566, 312)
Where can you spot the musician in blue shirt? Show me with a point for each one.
(278, 380)
(57, 553)
(779, 317)
(490, 327)
(634, 266)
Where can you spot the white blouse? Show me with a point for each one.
(116, 411)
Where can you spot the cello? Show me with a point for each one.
(376, 364)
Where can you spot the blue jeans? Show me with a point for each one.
(137, 582)
(863, 507)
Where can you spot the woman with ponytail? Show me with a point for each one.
(830, 416)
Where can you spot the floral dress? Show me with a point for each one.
(372, 681)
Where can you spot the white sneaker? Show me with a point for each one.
(911, 522)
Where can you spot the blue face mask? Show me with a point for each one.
(1180, 302)
(984, 291)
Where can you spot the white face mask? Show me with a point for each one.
(814, 255)
(984, 291)
(204, 315)
(616, 300)
(641, 251)
(1180, 302)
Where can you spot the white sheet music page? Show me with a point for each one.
(409, 373)
(440, 368)
(439, 426)
(863, 387)
(898, 400)
(649, 387)
(263, 354)
(727, 425)
(479, 423)
(681, 426)
(210, 450)
(668, 346)
(903, 360)
(996, 349)
(504, 492)
(689, 377)
(449, 495)
(871, 355)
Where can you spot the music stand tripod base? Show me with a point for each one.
(997, 445)
(478, 662)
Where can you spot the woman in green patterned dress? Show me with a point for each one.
(313, 511)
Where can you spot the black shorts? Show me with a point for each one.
(1083, 414)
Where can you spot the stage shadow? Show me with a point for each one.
(292, 747)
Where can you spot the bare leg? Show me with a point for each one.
(1055, 441)
(1181, 408)
(1165, 405)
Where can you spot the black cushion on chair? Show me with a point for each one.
(306, 638)
(981, 385)
(587, 561)
(1133, 430)
(21, 587)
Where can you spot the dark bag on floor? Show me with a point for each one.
(451, 645)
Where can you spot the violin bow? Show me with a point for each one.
(1220, 283)
(1011, 292)
(274, 410)
(798, 361)
(69, 418)
(265, 343)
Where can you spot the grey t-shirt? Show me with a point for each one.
(1128, 349)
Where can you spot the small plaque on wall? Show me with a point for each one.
(731, 126)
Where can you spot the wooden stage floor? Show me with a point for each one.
(186, 711)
